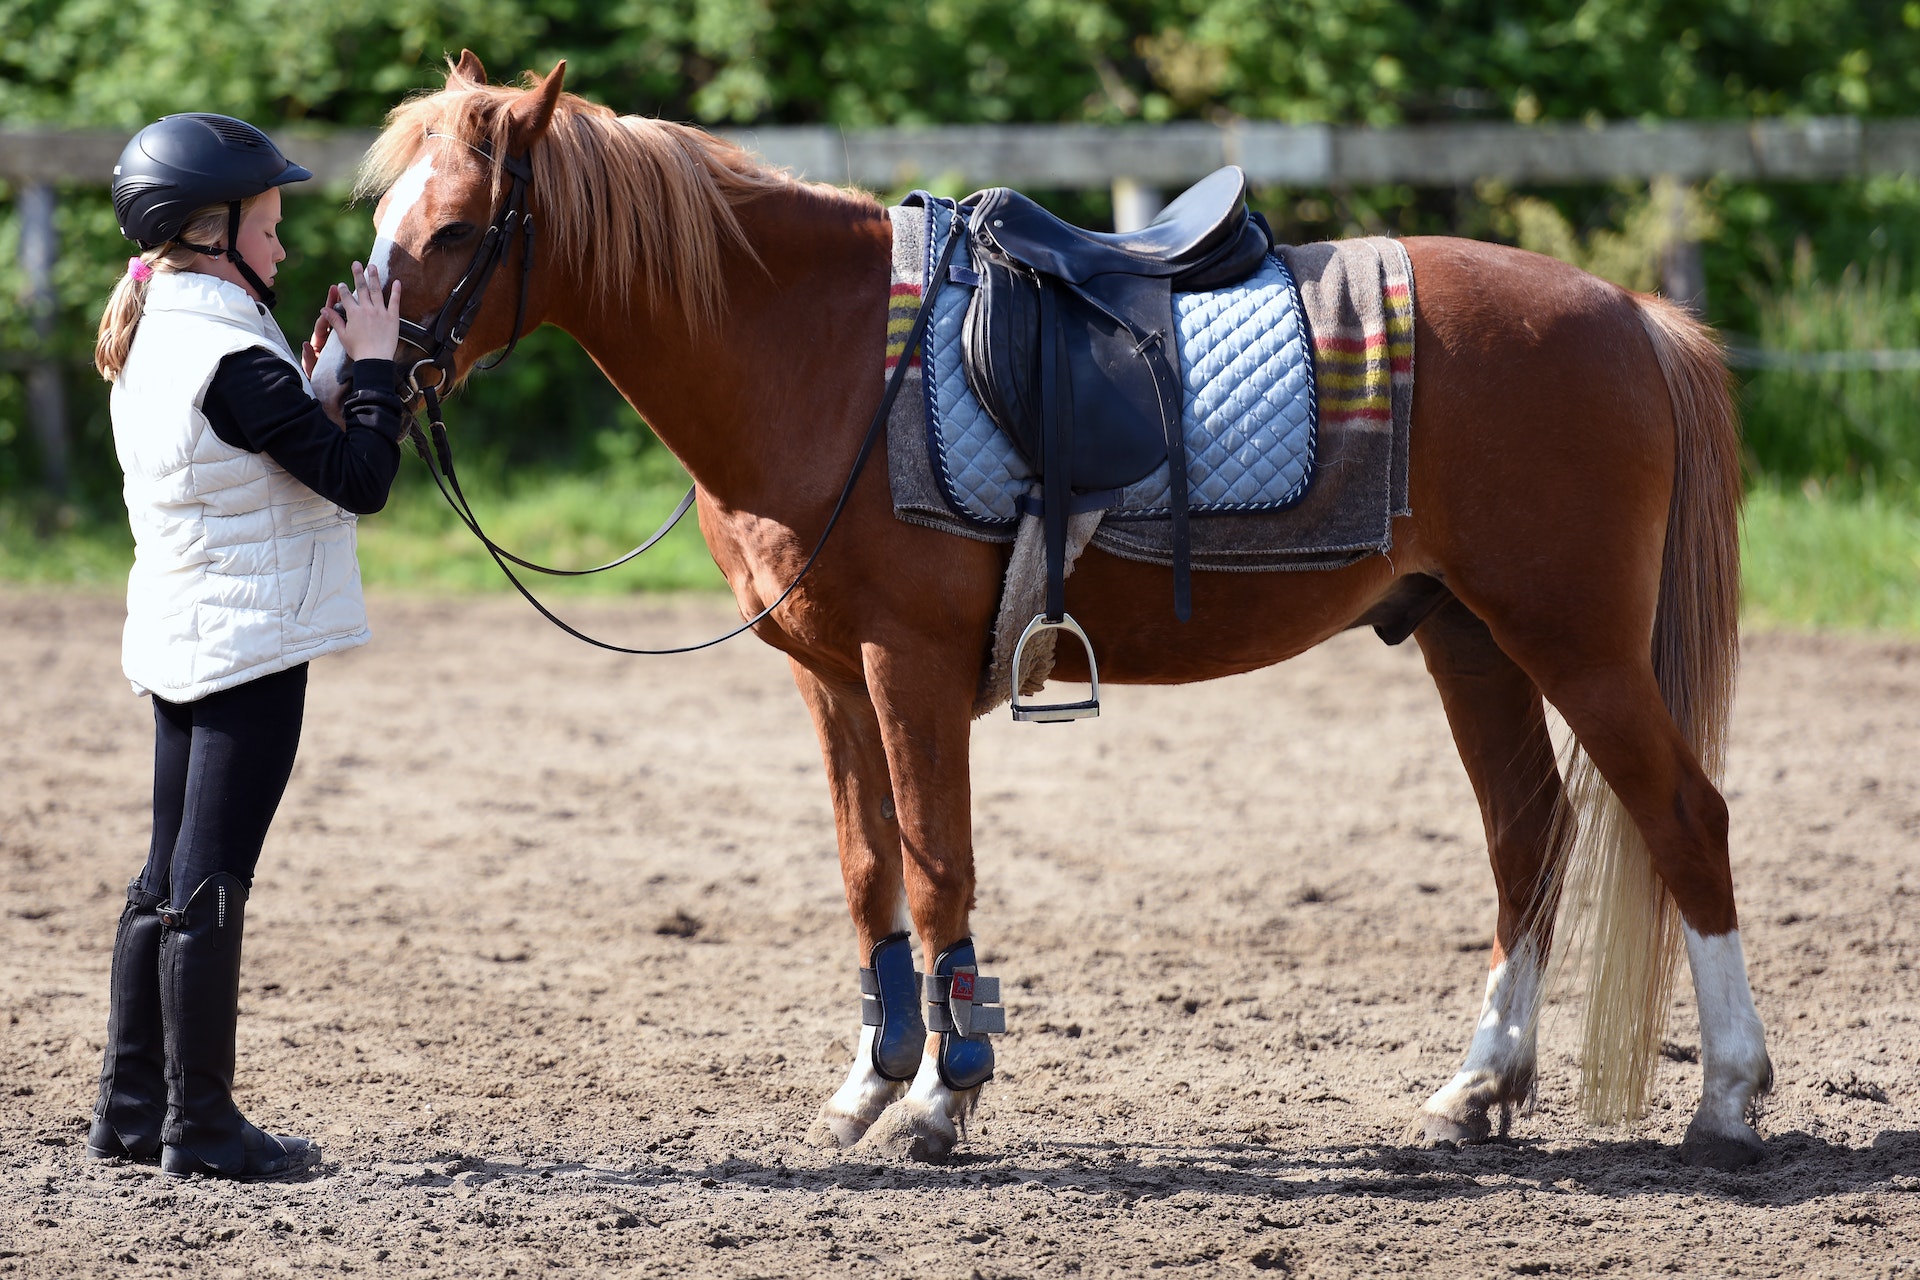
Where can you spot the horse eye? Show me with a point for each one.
(452, 233)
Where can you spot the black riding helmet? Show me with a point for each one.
(180, 164)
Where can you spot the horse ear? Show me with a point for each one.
(469, 68)
(534, 112)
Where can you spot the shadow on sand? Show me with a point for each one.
(1798, 1168)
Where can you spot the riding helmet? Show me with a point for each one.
(181, 164)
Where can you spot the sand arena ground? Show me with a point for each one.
(548, 949)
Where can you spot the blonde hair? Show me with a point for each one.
(121, 317)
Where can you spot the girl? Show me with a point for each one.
(242, 495)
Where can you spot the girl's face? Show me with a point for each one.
(260, 236)
(259, 244)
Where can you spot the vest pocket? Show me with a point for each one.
(331, 603)
(316, 584)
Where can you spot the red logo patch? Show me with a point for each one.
(963, 986)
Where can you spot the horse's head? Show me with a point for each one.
(442, 169)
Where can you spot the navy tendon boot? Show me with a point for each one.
(890, 1003)
(200, 997)
(133, 1084)
(963, 1005)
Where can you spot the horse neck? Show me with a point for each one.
(765, 405)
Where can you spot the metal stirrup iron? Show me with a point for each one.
(1054, 712)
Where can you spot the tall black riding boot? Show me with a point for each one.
(200, 996)
(133, 1084)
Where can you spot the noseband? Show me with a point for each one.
(439, 339)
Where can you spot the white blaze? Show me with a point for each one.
(330, 375)
(400, 201)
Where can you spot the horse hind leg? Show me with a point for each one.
(1500, 728)
(869, 843)
(1653, 840)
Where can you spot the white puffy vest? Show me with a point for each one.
(239, 569)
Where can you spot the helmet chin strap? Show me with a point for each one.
(232, 254)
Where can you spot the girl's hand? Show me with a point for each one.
(310, 350)
(368, 320)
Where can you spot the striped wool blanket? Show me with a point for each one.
(1358, 300)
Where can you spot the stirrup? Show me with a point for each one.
(1054, 712)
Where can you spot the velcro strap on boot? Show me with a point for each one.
(965, 1003)
(871, 1014)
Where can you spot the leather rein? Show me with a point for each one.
(440, 337)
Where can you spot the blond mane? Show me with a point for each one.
(619, 195)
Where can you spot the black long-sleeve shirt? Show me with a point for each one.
(256, 402)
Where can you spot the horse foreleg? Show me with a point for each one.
(925, 722)
(1501, 732)
(869, 841)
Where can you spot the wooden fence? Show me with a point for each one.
(1137, 163)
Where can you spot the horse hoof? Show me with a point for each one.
(1707, 1149)
(908, 1130)
(835, 1130)
(1430, 1130)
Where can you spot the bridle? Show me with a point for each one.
(439, 338)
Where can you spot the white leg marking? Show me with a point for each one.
(849, 1113)
(331, 374)
(936, 1106)
(929, 1091)
(1733, 1050)
(1500, 1061)
(866, 1093)
(902, 918)
(924, 1125)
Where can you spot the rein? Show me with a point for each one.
(437, 453)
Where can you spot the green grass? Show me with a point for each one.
(416, 544)
(1860, 424)
(39, 547)
(1813, 559)
(567, 521)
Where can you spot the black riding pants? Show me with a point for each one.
(220, 766)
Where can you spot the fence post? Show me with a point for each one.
(46, 395)
(1683, 277)
(1134, 204)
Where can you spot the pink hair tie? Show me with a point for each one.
(140, 269)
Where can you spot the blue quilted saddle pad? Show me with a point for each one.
(1250, 412)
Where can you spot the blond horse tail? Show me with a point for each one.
(1614, 911)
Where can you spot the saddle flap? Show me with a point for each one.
(1119, 434)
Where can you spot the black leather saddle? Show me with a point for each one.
(1069, 345)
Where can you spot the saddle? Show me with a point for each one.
(1068, 343)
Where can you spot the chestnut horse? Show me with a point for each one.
(1575, 492)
